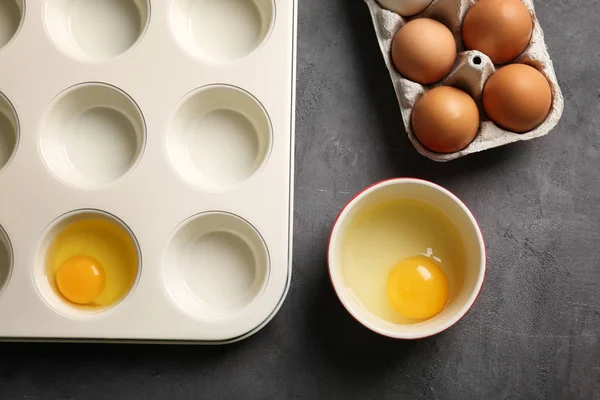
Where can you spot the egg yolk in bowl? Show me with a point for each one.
(417, 288)
(92, 262)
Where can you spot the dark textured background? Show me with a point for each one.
(534, 332)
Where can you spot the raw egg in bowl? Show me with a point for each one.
(87, 262)
(406, 258)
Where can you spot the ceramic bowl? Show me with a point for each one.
(459, 215)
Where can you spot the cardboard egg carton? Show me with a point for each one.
(173, 120)
(470, 72)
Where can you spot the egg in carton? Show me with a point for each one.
(470, 72)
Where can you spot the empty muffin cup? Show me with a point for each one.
(9, 131)
(215, 265)
(218, 137)
(92, 135)
(87, 262)
(6, 259)
(96, 30)
(11, 17)
(222, 30)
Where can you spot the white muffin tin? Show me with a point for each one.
(470, 72)
(174, 118)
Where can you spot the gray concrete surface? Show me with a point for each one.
(534, 332)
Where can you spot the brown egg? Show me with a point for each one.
(517, 97)
(424, 50)
(445, 119)
(499, 28)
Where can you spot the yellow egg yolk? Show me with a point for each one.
(80, 279)
(417, 288)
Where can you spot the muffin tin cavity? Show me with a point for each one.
(92, 135)
(9, 131)
(11, 17)
(6, 259)
(218, 137)
(221, 30)
(96, 30)
(89, 234)
(215, 265)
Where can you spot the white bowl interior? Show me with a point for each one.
(218, 137)
(42, 280)
(215, 265)
(92, 135)
(9, 131)
(11, 16)
(470, 235)
(96, 30)
(221, 30)
(6, 259)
